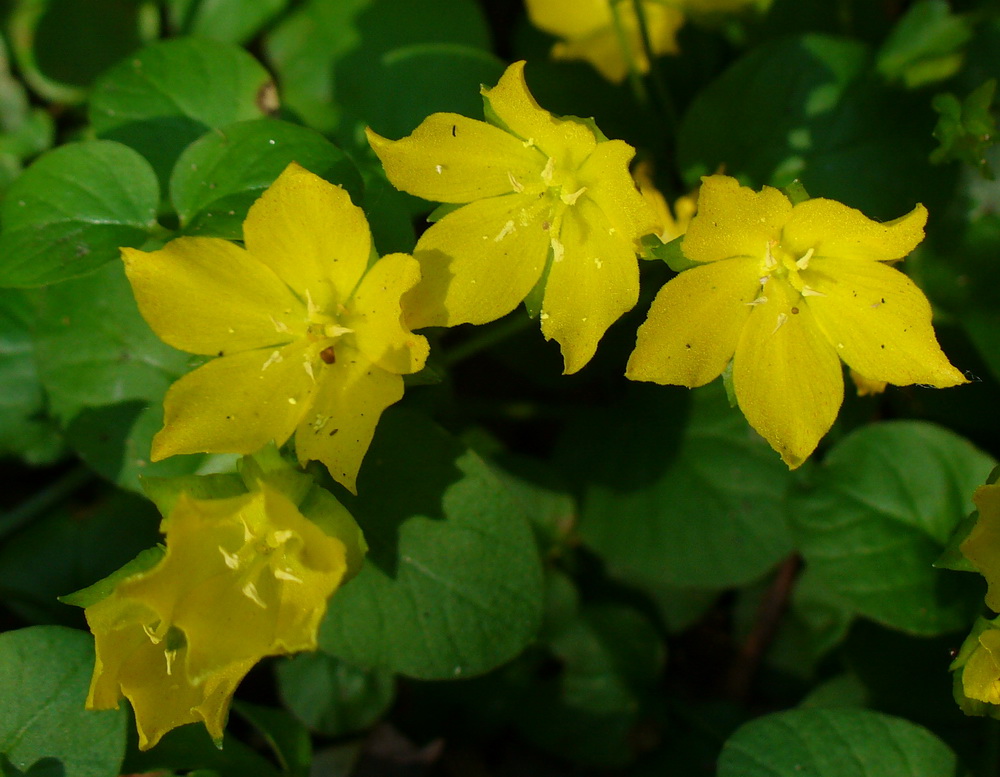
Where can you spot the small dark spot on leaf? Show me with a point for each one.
(222, 353)
(688, 346)
(327, 355)
(454, 129)
(795, 311)
(333, 432)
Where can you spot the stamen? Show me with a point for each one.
(250, 592)
(550, 168)
(279, 326)
(558, 250)
(782, 318)
(570, 199)
(769, 261)
(284, 574)
(232, 560)
(516, 184)
(274, 358)
(335, 330)
(507, 229)
(808, 292)
(803, 262)
(307, 364)
(310, 307)
(759, 301)
(170, 655)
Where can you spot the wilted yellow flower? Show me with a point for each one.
(606, 34)
(242, 578)
(787, 292)
(977, 670)
(549, 201)
(308, 342)
(982, 546)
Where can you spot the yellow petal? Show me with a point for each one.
(236, 404)
(787, 377)
(450, 158)
(205, 295)
(879, 322)
(602, 48)
(337, 431)
(310, 233)
(832, 229)
(865, 385)
(569, 18)
(479, 262)
(376, 316)
(981, 674)
(611, 187)
(982, 546)
(568, 143)
(591, 283)
(694, 324)
(733, 220)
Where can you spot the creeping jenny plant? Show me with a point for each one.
(308, 338)
(786, 292)
(549, 201)
(241, 577)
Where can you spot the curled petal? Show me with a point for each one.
(450, 158)
(236, 404)
(879, 322)
(567, 142)
(694, 324)
(832, 229)
(339, 427)
(787, 377)
(310, 233)
(586, 16)
(611, 187)
(981, 675)
(205, 295)
(479, 262)
(590, 284)
(734, 220)
(376, 316)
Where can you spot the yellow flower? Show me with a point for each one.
(590, 31)
(548, 201)
(242, 578)
(786, 292)
(977, 670)
(982, 546)
(308, 342)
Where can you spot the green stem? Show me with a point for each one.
(44, 500)
(487, 337)
(634, 76)
(655, 72)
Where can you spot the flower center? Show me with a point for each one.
(323, 330)
(780, 265)
(562, 183)
(257, 555)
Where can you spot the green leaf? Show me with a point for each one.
(326, 50)
(72, 209)
(588, 702)
(883, 507)
(287, 738)
(409, 83)
(333, 697)
(218, 177)
(189, 747)
(835, 743)
(171, 93)
(925, 45)
(44, 675)
(231, 21)
(694, 501)
(103, 588)
(452, 583)
(843, 133)
(94, 349)
(25, 430)
(966, 129)
(61, 46)
(669, 252)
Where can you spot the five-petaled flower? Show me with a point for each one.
(549, 201)
(242, 578)
(307, 342)
(787, 292)
(606, 33)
